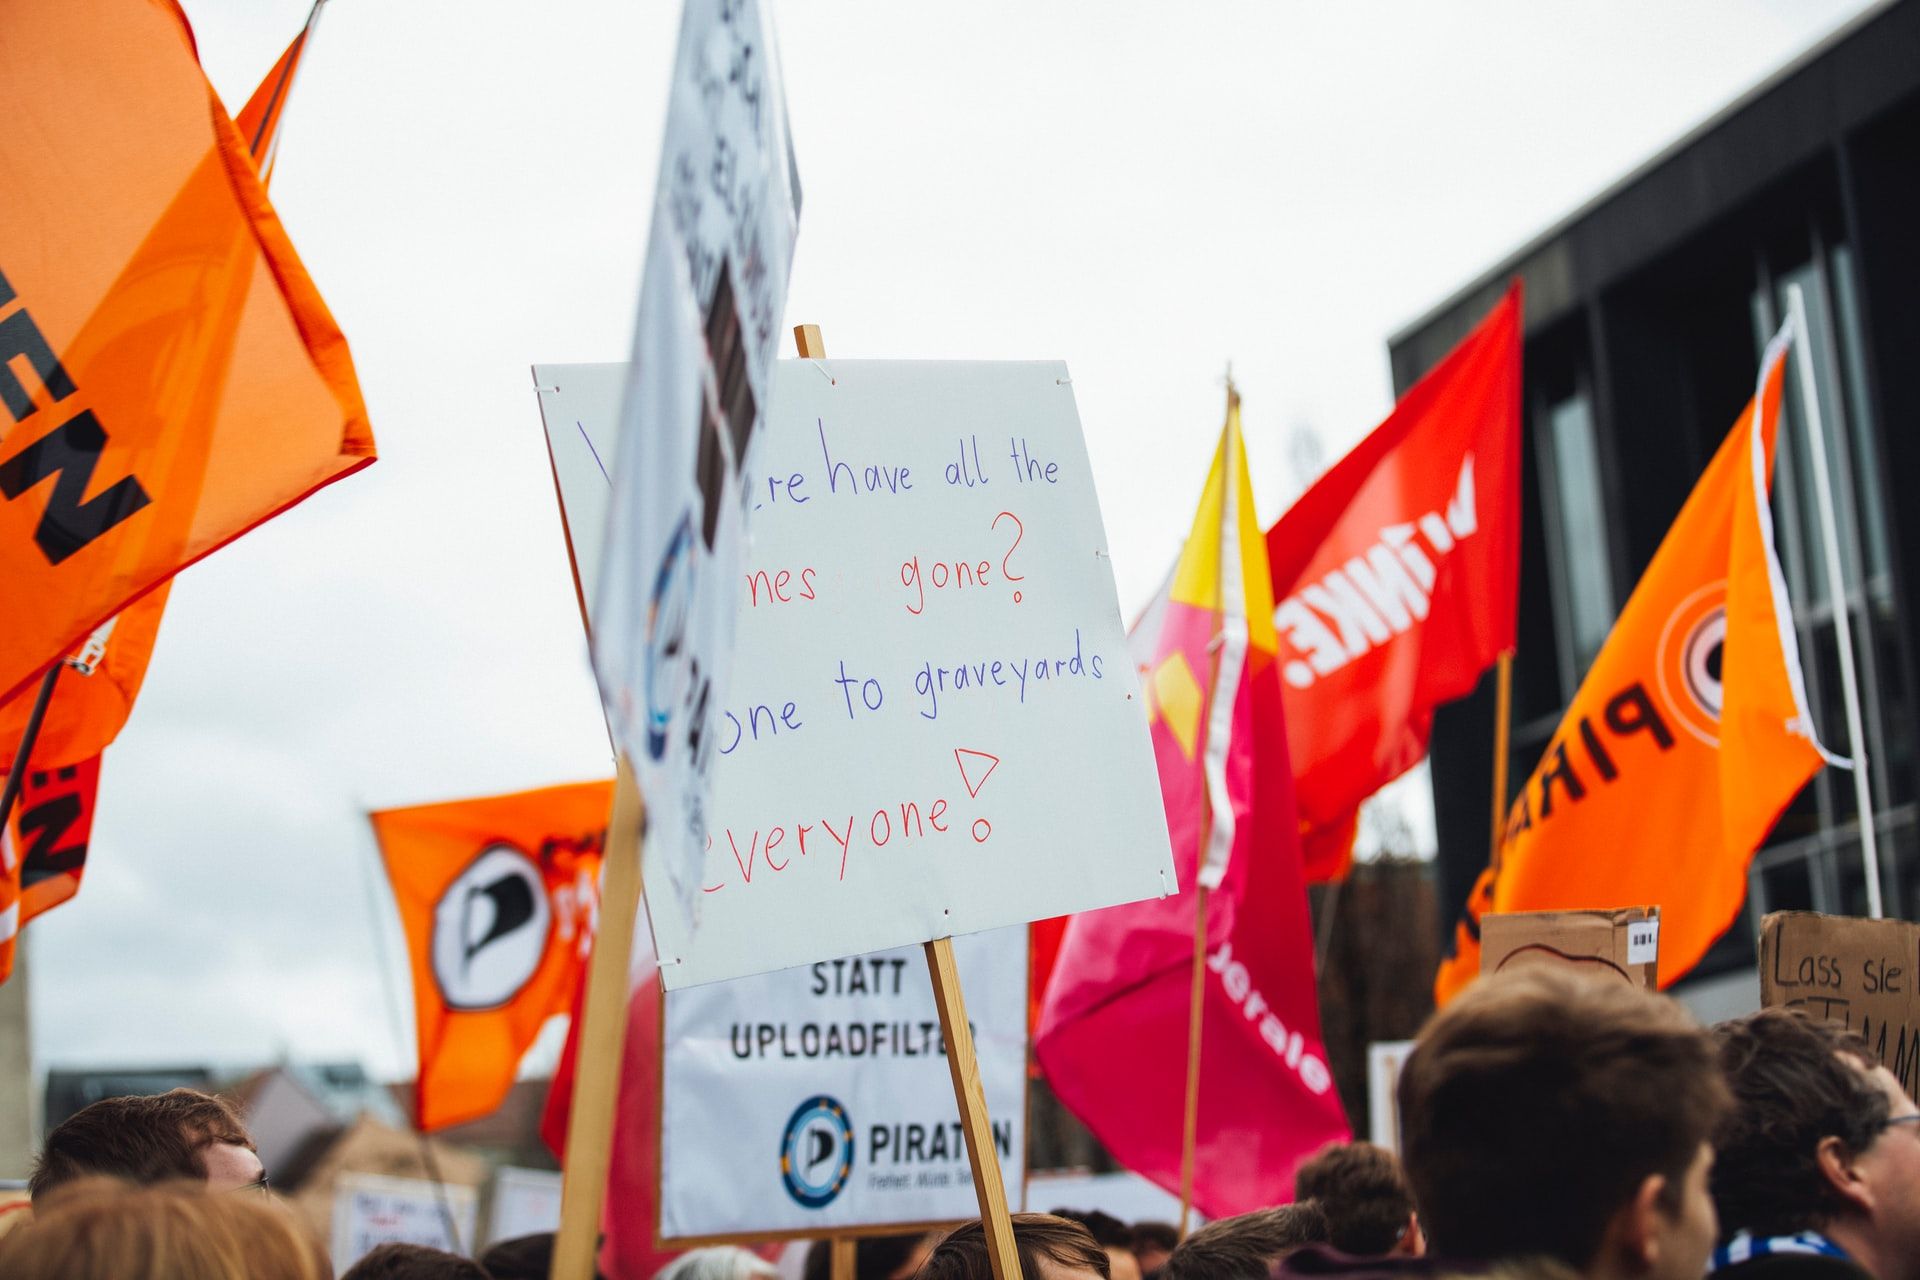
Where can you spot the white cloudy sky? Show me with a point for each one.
(1145, 190)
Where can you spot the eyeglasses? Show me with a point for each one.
(1906, 1119)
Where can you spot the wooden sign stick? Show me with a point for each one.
(957, 1034)
(843, 1258)
(603, 1035)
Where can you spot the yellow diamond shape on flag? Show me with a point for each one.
(1176, 694)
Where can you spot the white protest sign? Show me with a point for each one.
(1384, 1060)
(934, 728)
(726, 207)
(525, 1202)
(369, 1211)
(819, 1098)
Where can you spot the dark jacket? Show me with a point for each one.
(1323, 1262)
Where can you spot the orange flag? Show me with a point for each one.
(168, 373)
(43, 847)
(498, 898)
(1688, 738)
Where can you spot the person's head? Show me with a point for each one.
(181, 1134)
(1363, 1193)
(717, 1262)
(107, 1229)
(1820, 1139)
(1050, 1248)
(1546, 1113)
(894, 1257)
(413, 1262)
(1152, 1242)
(1110, 1234)
(1245, 1247)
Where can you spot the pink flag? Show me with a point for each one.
(1120, 989)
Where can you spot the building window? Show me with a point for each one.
(1579, 567)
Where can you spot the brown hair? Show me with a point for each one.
(141, 1139)
(106, 1229)
(413, 1262)
(963, 1254)
(1363, 1193)
(1246, 1246)
(1791, 1088)
(1534, 1106)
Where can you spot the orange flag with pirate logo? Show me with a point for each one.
(1688, 738)
(498, 898)
(169, 376)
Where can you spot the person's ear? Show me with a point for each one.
(1633, 1233)
(1412, 1241)
(1842, 1172)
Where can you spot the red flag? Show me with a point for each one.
(1121, 986)
(1397, 577)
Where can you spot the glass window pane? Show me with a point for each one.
(1583, 573)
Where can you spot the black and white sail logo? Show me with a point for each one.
(490, 929)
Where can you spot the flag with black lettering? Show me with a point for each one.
(43, 847)
(169, 375)
(1396, 581)
(498, 898)
(1688, 738)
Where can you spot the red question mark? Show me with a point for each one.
(1019, 532)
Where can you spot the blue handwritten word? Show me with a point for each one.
(1028, 469)
(872, 478)
(1016, 673)
(760, 719)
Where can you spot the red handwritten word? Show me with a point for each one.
(776, 848)
(958, 574)
(778, 587)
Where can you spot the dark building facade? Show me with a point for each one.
(1646, 312)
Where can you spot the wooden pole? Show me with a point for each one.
(989, 1189)
(1502, 730)
(1196, 1005)
(843, 1257)
(603, 1033)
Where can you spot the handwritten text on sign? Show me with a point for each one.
(933, 727)
(1863, 974)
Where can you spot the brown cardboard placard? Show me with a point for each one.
(1622, 943)
(1863, 974)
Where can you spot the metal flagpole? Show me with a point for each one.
(1837, 592)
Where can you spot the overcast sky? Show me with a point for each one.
(1146, 191)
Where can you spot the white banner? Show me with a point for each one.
(369, 1211)
(819, 1098)
(726, 208)
(934, 727)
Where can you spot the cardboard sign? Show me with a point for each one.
(369, 1211)
(819, 1099)
(726, 208)
(1624, 943)
(934, 727)
(1860, 973)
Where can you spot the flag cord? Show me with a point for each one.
(1837, 591)
(17, 774)
(390, 994)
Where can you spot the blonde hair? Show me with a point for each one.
(105, 1229)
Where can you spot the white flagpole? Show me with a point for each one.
(1837, 591)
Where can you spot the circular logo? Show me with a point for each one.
(1692, 646)
(490, 929)
(816, 1152)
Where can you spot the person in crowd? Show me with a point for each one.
(895, 1257)
(1363, 1192)
(109, 1229)
(1548, 1115)
(1110, 1234)
(1818, 1172)
(1246, 1246)
(718, 1262)
(1152, 1242)
(413, 1262)
(181, 1134)
(1049, 1248)
(521, 1258)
